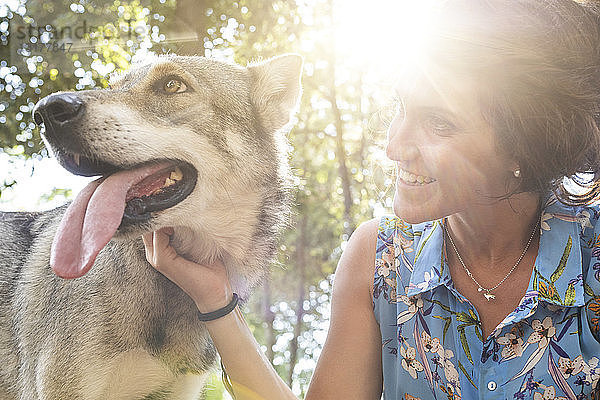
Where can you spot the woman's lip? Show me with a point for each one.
(413, 179)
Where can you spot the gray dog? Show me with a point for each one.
(186, 142)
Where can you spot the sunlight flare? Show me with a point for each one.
(384, 32)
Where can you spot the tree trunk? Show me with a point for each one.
(269, 318)
(340, 148)
(301, 269)
(188, 27)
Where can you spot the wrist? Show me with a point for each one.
(216, 301)
(221, 312)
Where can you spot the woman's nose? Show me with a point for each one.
(401, 145)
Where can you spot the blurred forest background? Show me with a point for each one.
(336, 147)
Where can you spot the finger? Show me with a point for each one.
(164, 255)
(168, 230)
(147, 239)
(155, 248)
(148, 246)
(161, 239)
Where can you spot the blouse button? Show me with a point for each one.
(492, 385)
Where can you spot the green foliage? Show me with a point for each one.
(66, 193)
(214, 388)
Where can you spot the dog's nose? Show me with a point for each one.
(57, 109)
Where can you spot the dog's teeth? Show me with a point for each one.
(168, 182)
(76, 158)
(176, 175)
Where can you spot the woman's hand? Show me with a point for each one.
(251, 374)
(207, 285)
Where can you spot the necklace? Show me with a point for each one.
(487, 292)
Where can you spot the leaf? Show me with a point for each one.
(533, 359)
(406, 262)
(446, 326)
(465, 345)
(472, 314)
(428, 311)
(442, 305)
(424, 241)
(563, 261)
(442, 261)
(548, 291)
(424, 361)
(464, 371)
(559, 379)
(559, 350)
(594, 306)
(424, 323)
(570, 295)
(565, 328)
(404, 316)
(466, 318)
(588, 290)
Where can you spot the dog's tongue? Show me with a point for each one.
(91, 221)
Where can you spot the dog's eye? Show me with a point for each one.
(173, 85)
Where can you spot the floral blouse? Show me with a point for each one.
(432, 342)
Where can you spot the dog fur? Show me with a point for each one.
(123, 331)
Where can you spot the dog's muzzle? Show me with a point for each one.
(58, 112)
(63, 117)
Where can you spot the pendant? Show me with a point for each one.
(489, 296)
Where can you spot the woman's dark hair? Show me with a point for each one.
(537, 64)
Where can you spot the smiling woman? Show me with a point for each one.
(498, 112)
(439, 137)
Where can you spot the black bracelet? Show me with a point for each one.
(221, 312)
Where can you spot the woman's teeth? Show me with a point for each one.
(413, 179)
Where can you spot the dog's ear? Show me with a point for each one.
(276, 89)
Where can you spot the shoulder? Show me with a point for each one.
(588, 218)
(364, 236)
(357, 264)
(366, 241)
(370, 241)
(561, 221)
(360, 248)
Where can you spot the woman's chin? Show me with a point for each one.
(418, 213)
(408, 214)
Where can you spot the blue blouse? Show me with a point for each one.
(433, 347)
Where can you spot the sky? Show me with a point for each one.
(35, 179)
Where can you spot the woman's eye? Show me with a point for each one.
(173, 85)
(438, 124)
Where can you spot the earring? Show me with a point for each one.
(517, 173)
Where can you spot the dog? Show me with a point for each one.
(182, 141)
